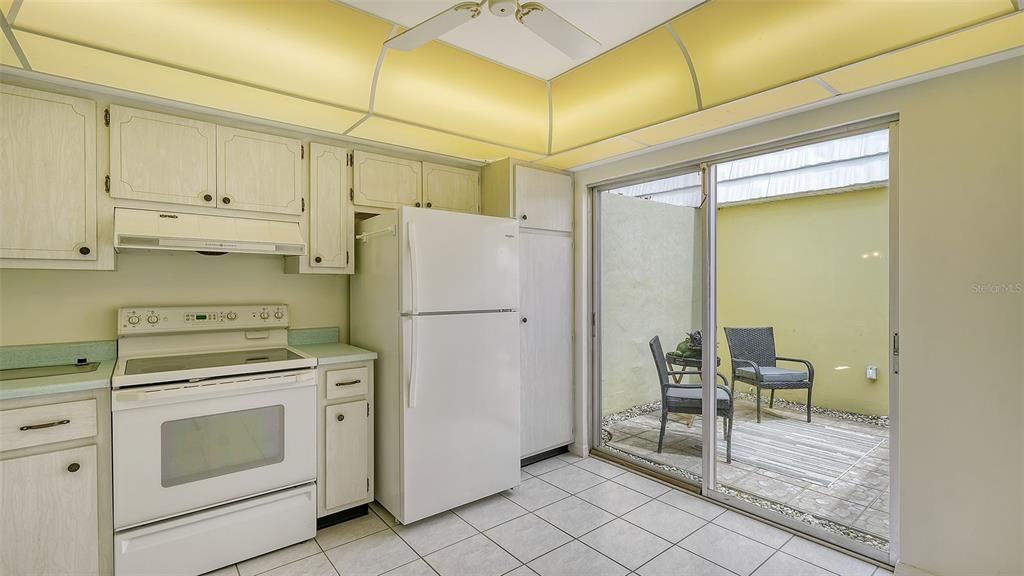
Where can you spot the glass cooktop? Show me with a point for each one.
(208, 360)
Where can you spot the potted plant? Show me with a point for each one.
(691, 346)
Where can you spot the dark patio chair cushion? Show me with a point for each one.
(773, 374)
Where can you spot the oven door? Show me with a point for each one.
(182, 447)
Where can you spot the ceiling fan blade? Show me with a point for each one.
(557, 31)
(434, 26)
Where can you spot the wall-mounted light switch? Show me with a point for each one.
(872, 373)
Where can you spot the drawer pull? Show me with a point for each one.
(47, 425)
(349, 383)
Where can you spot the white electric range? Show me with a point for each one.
(214, 438)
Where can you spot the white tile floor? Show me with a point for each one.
(569, 517)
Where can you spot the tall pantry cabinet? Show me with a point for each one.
(542, 201)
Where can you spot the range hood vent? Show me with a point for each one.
(158, 230)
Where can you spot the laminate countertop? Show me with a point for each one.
(335, 353)
(24, 387)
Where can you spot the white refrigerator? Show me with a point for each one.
(436, 295)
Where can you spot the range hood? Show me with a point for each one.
(159, 230)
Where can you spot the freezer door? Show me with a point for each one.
(458, 262)
(461, 410)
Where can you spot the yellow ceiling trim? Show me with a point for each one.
(640, 83)
(591, 153)
(759, 105)
(7, 55)
(99, 67)
(992, 37)
(320, 49)
(402, 134)
(742, 47)
(443, 87)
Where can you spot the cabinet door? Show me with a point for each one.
(331, 222)
(49, 523)
(546, 340)
(162, 158)
(258, 171)
(543, 199)
(346, 453)
(386, 182)
(450, 188)
(47, 176)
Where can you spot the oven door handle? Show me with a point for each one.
(144, 397)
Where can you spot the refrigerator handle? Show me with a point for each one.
(412, 269)
(413, 369)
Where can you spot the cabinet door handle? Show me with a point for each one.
(349, 383)
(341, 417)
(524, 320)
(430, 204)
(84, 250)
(208, 197)
(524, 216)
(47, 425)
(226, 200)
(417, 204)
(74, 467)
(318, 259)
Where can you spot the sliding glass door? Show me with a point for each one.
(756, 292)
(650, 294)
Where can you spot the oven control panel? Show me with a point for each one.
(156, 320)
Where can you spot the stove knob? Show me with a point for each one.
(152, 318)
(232, 315)
(278, 314)
(265, 315)
(133, 319)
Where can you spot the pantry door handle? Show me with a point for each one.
(349, 383)
(341, 417)
(47, 425)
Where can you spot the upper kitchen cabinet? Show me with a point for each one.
(331, 222)
(162, 158)
(540, 199)
(259, 172)
(543, 199)
(48, 176)
(450, 188)
(386, 182)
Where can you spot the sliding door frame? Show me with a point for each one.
(708, 169)
(710, 481)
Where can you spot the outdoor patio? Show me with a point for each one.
(832, 472)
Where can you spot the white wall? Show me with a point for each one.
(43, 306)
(647, 290)
(961, 391)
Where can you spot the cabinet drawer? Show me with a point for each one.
(347, 382)
(36, 425)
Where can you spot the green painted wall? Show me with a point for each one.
(817, 269)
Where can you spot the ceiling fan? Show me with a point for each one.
(540, 19)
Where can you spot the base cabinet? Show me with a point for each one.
(345, 452)
(345, 474)
(48, 513)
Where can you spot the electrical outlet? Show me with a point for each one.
(872, 373)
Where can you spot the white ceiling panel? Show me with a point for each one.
(508, 42)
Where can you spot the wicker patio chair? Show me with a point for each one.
(754, 362)
(688, 398)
